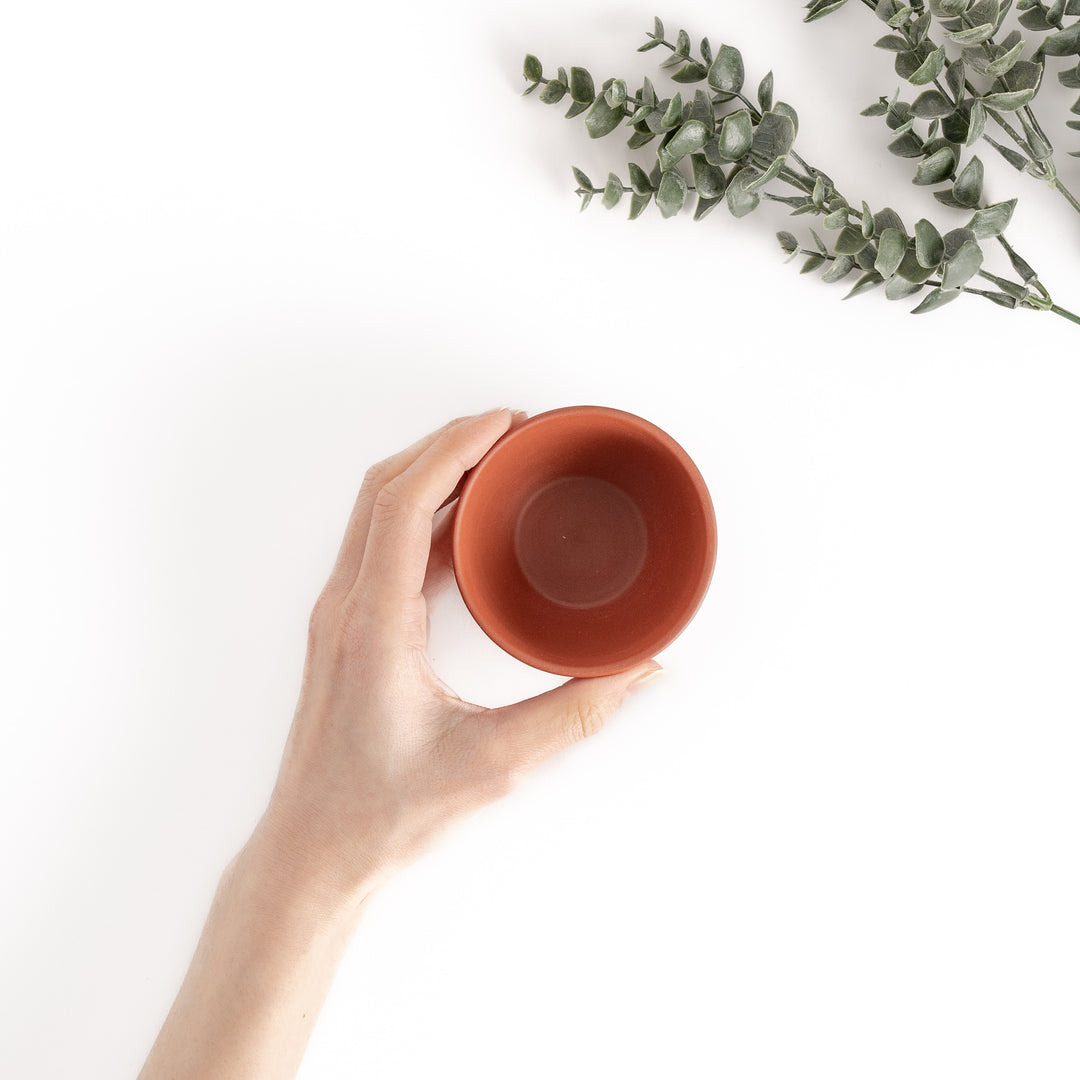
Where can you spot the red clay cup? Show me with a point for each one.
(584, 542)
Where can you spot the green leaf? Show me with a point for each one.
(867, 282)
(736, 135)
(975, 35)
(931, 105)
(967, 188)
(892, 43)
(891, 247)
(691, 73)
(638, 204)
(935, 299)
(771, 173)
(726, 73)
(850, 241)
(582, 179)
(976, 124)
(812, 263)
(1008, 101)
(1064, 43)
(639, 180)
(773, 137)
(898, 287)
(867, 223)
(690, 138)
(576, 109)
(533, 69)
(602, 119)
(936, 167)
(639, 139)
(955, 79)
(784, 109)
(673, 113)
(706, 206)
(837, 219)
(788, 242)
(841, 267)
(671, 193)
(992, 220)
(907, 146)
(740, 201)
(581, 86)
(820, 8)
(928, 70)
(682, 44)
(553, 92)
(615, 95)
(962, 266)
(709, 180)
(765, 93)
(929, 247)
(613, 192)
(887, 219)
(1003, 63)
(910, 269)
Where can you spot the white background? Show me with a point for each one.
(246, 250)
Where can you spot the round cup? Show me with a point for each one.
(584, 541)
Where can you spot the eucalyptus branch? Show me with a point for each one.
(970, 26)
(736, 148)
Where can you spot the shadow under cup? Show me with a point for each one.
(585, 540)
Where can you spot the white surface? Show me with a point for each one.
(247, 249)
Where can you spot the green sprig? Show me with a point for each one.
(722, 147)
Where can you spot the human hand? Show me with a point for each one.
(382, 754)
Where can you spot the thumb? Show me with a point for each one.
(535, 729)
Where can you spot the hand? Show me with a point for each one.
(382, 754)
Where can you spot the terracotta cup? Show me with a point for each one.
(584, 541)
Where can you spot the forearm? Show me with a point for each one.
(260, 973)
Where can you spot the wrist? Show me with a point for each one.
(300, 870)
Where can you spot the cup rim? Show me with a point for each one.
(656, 434)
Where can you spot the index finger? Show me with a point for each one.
(396, 554)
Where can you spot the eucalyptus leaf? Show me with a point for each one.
(929, 247)
(867, 282)
(581, 86)
(936, 167)
(935, 299)
(709, 180)
(967, 188)
(602, 119)
(736, 135)
(638, 203)
(726, 72)
(841, 267)
(992, 220)
(671, 193)
(773, 137)
(765, 93)
(613, 192)
(740, 201)
(961, 267)
(533, 69)
(891, 247)
(553, 92)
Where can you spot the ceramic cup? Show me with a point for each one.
(584, 541)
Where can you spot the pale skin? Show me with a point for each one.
(382, 756)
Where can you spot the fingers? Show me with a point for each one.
(440, 567)
(395, 555)
(351, 552)
(532, 731)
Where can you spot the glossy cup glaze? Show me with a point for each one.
(584, 541)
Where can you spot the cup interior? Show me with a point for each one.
(584, 542)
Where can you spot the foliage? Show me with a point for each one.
(715, 145)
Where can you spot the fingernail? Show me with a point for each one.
(646, 676)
